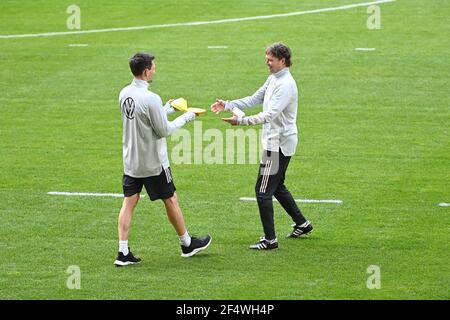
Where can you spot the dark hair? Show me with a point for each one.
(139, 62)
(280, 51)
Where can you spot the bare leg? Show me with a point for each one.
(175, 215)
(126, 212)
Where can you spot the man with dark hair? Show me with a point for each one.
(139, 62)
(145, 159)
(279, 97)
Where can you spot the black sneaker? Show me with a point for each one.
(300, 230)
(123, 260)
(197, 244)
(265, 244)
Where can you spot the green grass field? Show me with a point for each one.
(373, 132)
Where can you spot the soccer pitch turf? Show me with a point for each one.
(373, 132)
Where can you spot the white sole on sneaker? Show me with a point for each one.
(123, 264)
(190, 254)
(300, 235)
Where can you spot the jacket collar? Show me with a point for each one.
(140, 83)
(281, 73)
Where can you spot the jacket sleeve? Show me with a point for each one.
(250, 101)
(168, 109)
(278, 102)
(159, 122)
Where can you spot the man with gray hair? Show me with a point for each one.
(279, 97)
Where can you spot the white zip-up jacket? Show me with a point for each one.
(279, 96)
(145, 126)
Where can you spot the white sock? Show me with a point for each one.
(185, 239)
(123, 247)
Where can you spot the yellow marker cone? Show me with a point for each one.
(180, 104)
(197, 111)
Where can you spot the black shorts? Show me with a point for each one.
(158, 187)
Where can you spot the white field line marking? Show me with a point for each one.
(365, 49)
(444, 204)
(301, 200)
(196, 23)
(78, 45)
(217, 47)
(87, 194)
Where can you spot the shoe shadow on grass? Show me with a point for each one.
(202, 255)
(303, 238)
(145, 263)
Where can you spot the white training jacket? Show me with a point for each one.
(145, 126)
(279, 96)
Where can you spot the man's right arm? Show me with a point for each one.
(250, 101)
(168, 109)
(159, 122)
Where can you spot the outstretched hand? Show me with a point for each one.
(218, 106)
(232, 120)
